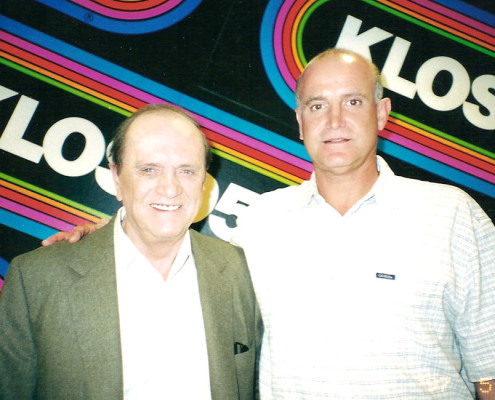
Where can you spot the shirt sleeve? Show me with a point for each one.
(473, 258)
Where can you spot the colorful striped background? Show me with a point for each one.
(421, 145)
(126, 17)
(82, 74)
(39, 213)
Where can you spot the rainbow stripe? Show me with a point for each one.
(56, 63)
(127, 17)
(283, 56)
(39, 213)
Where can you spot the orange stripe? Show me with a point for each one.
(66, 81)
(438, 25)
(256, 162)
(47, 200)
(442, 140)
(293, 40)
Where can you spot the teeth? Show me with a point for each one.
(163, 207)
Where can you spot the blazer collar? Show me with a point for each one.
(215, 290)
(94, 308)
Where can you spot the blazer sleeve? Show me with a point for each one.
(17, 352)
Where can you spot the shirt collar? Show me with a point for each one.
(309, 190)
(126, 253)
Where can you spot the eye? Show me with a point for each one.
(354, 102)
(187, 171)
(316, 107)
(146, 171)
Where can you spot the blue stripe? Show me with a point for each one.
(99, 21)
(4, 266)
(436, 167)
(156, 89)
(469, 10)
(268, 54)
(25, 225)
(230, 120)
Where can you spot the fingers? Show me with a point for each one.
(58, 237)
(102, 222)
(80, 231)
(77, 234)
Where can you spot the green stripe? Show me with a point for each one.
(389, 10)
(253, 167)
(65, 87)
(443, 135)
(53, 196)
(430, 28)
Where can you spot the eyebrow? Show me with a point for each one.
(345, 96)
(314, 98)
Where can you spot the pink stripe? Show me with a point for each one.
(438, 156)
(84, 71)
(1, 284)
(456, 16)
(277, 38)
(289, 79)
(128, 15)
(35, 215)
(255, 144)
(71, 65)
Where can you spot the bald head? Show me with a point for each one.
(346, 55)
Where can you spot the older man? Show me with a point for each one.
(145, 308)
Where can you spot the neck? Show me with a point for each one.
(342, 192)
(161, 254)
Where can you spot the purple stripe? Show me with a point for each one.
(82, 70)
(456, 16)
(255, 144)
(426, 3)
(460, 165)
(97, 76)
(277, 38)
(35, 215)
(128, 15)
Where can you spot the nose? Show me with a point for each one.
(168, 184)
(334, 117)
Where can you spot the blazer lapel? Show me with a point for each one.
(94, 307)
(215, 290)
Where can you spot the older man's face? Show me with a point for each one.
(161, 179)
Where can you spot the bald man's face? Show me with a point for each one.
(338, 117)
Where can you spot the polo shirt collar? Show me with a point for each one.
(309, 194)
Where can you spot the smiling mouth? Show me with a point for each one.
(163, 207)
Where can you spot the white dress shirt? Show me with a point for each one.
(164, 352)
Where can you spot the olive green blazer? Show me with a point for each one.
(59, 321)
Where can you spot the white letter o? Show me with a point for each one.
(88, 160)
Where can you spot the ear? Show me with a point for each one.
(299, 122)
(115, 177)
(382, 111)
